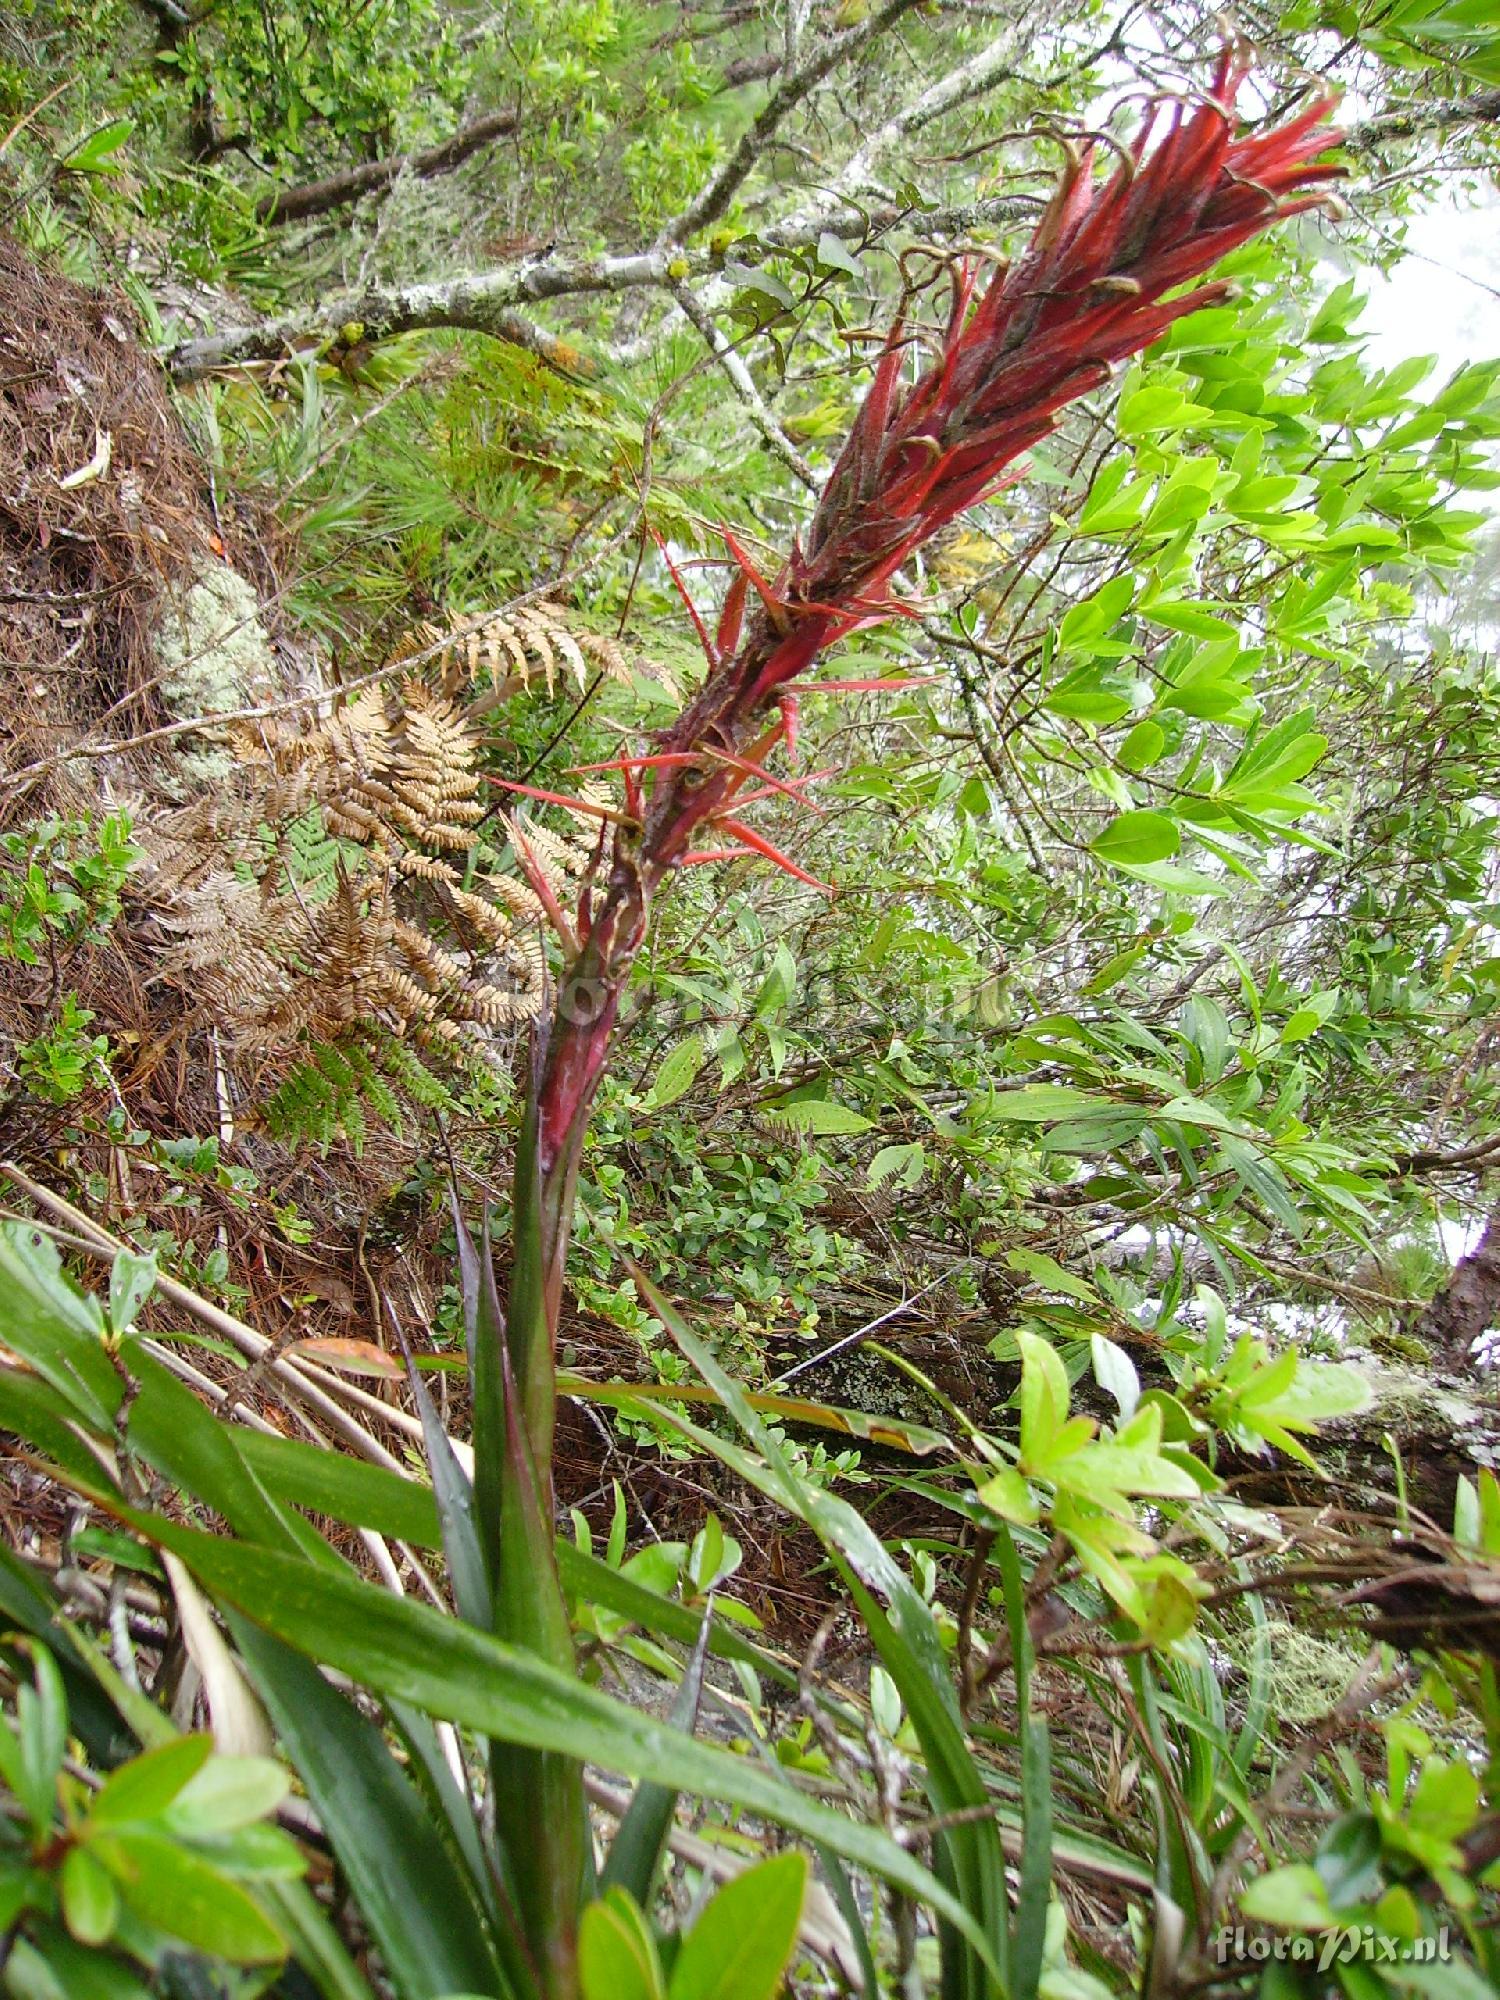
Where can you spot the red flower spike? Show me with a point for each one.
(686, 595)
(1093, 287)
(557, 799)
(1087, 293)
(761, 845)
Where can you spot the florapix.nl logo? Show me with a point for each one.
(1340, 1944)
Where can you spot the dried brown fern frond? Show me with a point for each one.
(541, 850)
(306, 896)
(434, 777)
(511, 649)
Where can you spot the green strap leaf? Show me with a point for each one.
(635, 1853)
(404, 1649)
(435, 1941)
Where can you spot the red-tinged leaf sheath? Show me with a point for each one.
(791, 718)
(732, 617)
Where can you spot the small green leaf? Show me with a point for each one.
(57, 1968)
(1348, 1859)
(1051, 1276)
(778, 986)
(167, 1885)
(132, 1279)
(1137, 838)
(1044, 1398)
(148, 1784)
(90, 1900)
(1009, 1495)
(1300, 1026)
(1141, 748)
(1115, 1373)
(906, 1164)
(821, 1118)
(95, 154)
(227, 1793)
(835, 255)
(1294, 1897)
(678, 1072)
(1088, 622)
(617, 1956)
(41, 1737)
(1041, 1103)
(55, 1328)
(739, 1947)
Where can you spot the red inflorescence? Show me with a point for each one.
(1089, 291)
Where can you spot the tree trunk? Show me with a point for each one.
(1469, 1304)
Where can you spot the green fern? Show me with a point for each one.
(311, 856)
(372, 1086)
(311, 1107)
(413, 1079)
(340, 1085)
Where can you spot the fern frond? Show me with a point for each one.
(322, 905)
(511, 649)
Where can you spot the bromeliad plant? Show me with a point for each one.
(508, 1903)
(1102, 277)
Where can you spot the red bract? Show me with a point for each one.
(1091, 288)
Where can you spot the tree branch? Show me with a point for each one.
(317, 197)
(743, 385)
(969, 80)
(1419, 121)
(338, 190)
(714, 198)
(485, 301)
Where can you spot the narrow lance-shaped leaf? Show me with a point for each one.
(483, 1334)
(538, 1794)
(635, 1853)
(453, 1491)
(434, 1942)
(1028, 1943)
(406, 1650)
(907, 1641)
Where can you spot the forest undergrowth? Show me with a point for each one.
(747, 1004)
